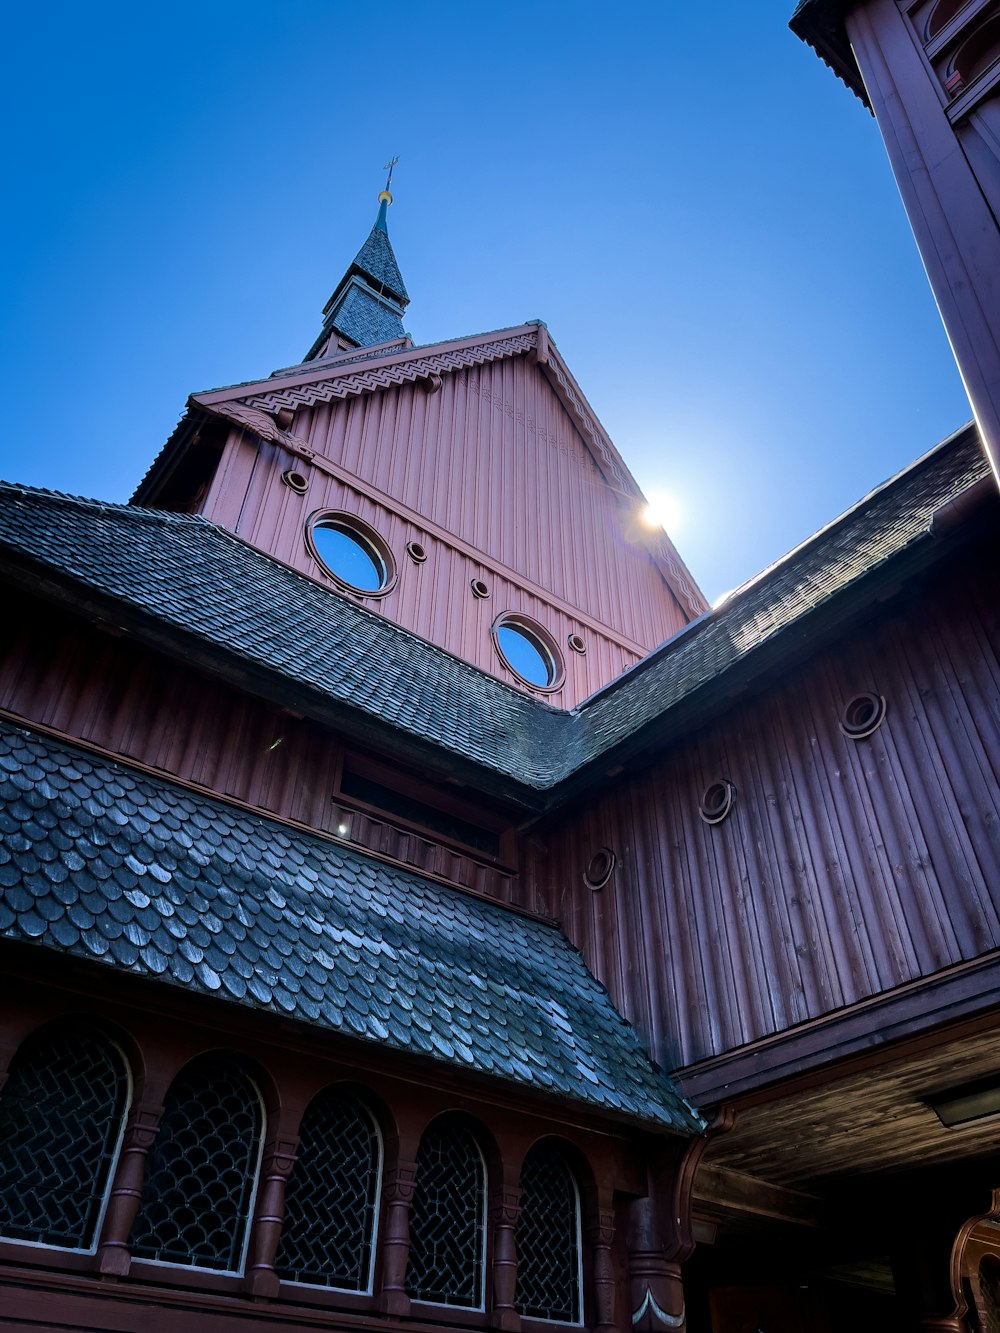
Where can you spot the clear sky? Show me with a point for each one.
(703, 216)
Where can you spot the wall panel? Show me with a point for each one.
(492, 476)
(847, 867)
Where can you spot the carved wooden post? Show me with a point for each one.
(397, 1191)
(661, 1234)
(601, 1233)
(504, 1212)
(275, 1168)
(655, 1287)
(113, 1258)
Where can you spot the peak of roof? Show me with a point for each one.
(367, 305)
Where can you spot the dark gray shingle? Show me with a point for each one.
(104, 863)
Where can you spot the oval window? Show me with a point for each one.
(352, 553)
(528, 652)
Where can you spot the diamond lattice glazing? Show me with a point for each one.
(331, 1198)
(201, 1170)
(447, 1220)
(548, 1239)
(60, 1120)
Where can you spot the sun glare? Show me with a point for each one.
(662, 511)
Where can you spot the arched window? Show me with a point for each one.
(61, 1116)
(332, 1197)
(944, 11)
(447, 1219)
(548, 1239)
(979, 51)
(202, 1170)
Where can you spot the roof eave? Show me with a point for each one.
(820, 24)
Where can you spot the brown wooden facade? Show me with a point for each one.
(786, 877)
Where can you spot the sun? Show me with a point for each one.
(662, 511)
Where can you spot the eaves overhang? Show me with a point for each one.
(820, 24)
(194, 591)
(132, 872)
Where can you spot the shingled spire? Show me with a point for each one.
(367, 306)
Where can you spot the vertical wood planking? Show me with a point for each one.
(494, 463)
(846, 868)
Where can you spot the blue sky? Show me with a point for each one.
(701, 213)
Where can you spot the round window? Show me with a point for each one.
(529, 652)
(352, 553)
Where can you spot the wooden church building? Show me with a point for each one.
(420, 911)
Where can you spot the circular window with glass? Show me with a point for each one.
(528, 651)
(352, 553)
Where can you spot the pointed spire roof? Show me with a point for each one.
(367, 306)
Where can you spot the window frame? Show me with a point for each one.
(248, 1229)
(114, 1155)
(484, 1233)
(373, 1249)
(366, 536)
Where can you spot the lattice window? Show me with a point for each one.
(61, 1114)
(548, 1239)
(201, 1171)
(447, 1224)
(332, 1196)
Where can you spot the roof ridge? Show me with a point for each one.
(354, 361)
(730, 603)
(88, 502)
(924, 460)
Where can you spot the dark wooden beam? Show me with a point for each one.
(734, 1192)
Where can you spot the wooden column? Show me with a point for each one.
(601, 1234)
(655, 1285)
(113, 1257)
(661, 1231)
(504, 1212)
(397, 1192)
(275, 1168)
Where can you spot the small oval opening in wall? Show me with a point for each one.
(600, 868)
(577, 643)
(864, 714)
(479, 588)
(417, 552)
(718, 801)
(295, 481)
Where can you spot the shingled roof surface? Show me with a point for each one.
(881, 526)
(377, 260)
(192, 575)
(103, 863)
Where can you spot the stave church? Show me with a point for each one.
(420, 911)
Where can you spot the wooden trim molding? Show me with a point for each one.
(923, 1012)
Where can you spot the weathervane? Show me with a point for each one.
(388, 180)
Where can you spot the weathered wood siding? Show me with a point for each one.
(491, 476)
(134, 703)
(846, 868)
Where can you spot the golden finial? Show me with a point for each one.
(385, 196)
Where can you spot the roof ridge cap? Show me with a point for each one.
(353, 366)
(924, 460)
(138, 512)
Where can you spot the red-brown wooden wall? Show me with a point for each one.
(135, 703)
(847, 867)
(523, 508)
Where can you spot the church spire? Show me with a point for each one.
(367, 306)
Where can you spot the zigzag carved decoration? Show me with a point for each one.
(251, 412)
(387, 377)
